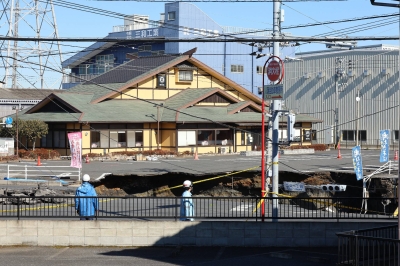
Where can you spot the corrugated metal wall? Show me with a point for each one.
(309, 86)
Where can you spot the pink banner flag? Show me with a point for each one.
(75, 143)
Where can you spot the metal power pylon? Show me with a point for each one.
(29, 64)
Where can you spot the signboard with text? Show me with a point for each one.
(384, 137)
(273, 92)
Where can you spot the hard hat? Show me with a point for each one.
(86, 178)
(187, 183)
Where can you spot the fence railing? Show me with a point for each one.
(204, 208)
(36, 173)
(376, 246)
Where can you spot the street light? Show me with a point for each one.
(16, 108)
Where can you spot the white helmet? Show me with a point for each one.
(86, 178)
(187, 183)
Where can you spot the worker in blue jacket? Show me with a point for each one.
(187, 208)
(86, 202)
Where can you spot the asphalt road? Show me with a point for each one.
(160, 256)
(211, 164)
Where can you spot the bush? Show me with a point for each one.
(91, 155)
(316, 147)
(8, 158)
(145, 153)
(186, 153)
(43, 153)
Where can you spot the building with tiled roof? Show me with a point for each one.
(170, 102)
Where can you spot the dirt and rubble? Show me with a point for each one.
(245, 184)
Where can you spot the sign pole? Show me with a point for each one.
(275, 118)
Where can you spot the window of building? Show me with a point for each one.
(205, 137)
(362, 135)
(259, 70)
(95, 139)
(85, 69)
(171, 15)
(144, 48)
(134, 138)
(104, 139)
(117, 139)
(185, 75)
(237, 68)
(186, 137)
(242, 138)
(159, 52)
(350, 135)
(47, 141)
(59, 139)
(224, 137)
(396, 135)
(104, 63)
(313, 134)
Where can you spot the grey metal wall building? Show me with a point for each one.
(20, 98)
(315, 83)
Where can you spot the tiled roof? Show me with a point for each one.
(25, 94)
(132, 69)
(234, 106)
(96, 90)
(178, 100)
(216, 114)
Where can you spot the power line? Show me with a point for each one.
(223, 1)
(221, 40)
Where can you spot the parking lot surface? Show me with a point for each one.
(160, 256)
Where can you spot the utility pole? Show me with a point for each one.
(17, 108)
(339, 73)
(276, 107)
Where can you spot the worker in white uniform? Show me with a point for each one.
(187, 208)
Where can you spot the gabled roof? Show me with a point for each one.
(138, 70)
(234, 108)
(189, 97)
(59, 98)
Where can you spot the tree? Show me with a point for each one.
(7, 132)
(33, 129)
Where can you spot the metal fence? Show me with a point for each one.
(376, 246)
(33, 173)
(204, 208)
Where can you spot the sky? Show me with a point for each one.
(73, 23)
(249, 15)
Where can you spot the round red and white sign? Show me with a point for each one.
(273, 70)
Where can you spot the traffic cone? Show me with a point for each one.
(87, 158)
(38, 161)
(396, 155)
(196, 157)
(339, 156)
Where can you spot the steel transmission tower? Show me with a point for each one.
(29, 64)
